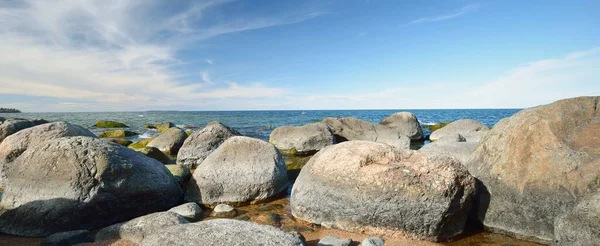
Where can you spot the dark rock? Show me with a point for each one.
(68, 238)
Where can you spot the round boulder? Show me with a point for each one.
(201, 143)
(462, 127)
(74, 183)
(302, 140)
(360, 185)
(137, 229)
(170, 141)
(406, 123)
(241, 170)
(11, 126)
(222, 232)
(537, 164)
(348, 129)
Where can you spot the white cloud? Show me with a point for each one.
(209, 61)
(462, 11)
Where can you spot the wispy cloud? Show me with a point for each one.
(209, 61)
(462, 11)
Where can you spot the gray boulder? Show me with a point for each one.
(241, 170)
(372, 241)
(68, 238)
(222, 232)
(359, 184)
(347, 129)
(201, 143)
(537, 165)
(455, 145)
(11, 126)
(190, 211)
(580, 226)
(137, 229)
(405, 123)
(462, 127)
(333, 241)
(224, 211)
(180, 173)
(74, 183)
(170, 141)
(302, 140)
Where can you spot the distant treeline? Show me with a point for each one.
(9, 110)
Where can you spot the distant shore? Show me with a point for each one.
(9, 110)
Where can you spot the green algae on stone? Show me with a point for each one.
(155, 153)
(140, 144)
(437, 126)
(180, 173)
(160, 128)
(120, 141)
(110, 124)
(117, 134)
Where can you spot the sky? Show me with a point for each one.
(133, 55)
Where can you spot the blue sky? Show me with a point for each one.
(120, 55)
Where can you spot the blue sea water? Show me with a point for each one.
(259, 124)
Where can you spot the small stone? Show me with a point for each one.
(68, 238)
(224, 211)
(334, 241)
(372, 241)
(190, 211)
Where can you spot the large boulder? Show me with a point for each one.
(170, 141)
(117, 134)
(302, 140)
(580, 226)
(537, 164)
(462, 127)
(405, 123)
(74, 183)
(345, 129)
(222, 232)
(201, 143)
(137, 229)
(109, 124)
(11, 126)
(241, 170)
(17, 143)
(455, 145)
(360, 185)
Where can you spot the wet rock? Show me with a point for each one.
(190, 211)
(345, 129)
(170, 141)
(74, 183)
(201, 143)
(268, 219)
(458, 127)
(68, 238)
(117, 134)
(137, 229)
(358, 184)
(405, 123)
(140, 144)
(241, 170)
(120, 141)
(222, 232)
(537, 165)
(334, 241)
(302, 140)
(109, 124)
(223, 211)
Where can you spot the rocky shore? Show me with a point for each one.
(533, 176)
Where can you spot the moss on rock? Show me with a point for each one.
(436, 126)
(140, 144)
(120, 141)
(117, 134)
(110, 124)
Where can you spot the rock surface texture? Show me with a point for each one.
(137, 229)
(537, 164)
(170, 141)
(360, 185)
(74, 183)
(201, 143)
(302, 140)
(405, 123)
(345, 129)
(462, 127)
(581, 226)
(241, 170)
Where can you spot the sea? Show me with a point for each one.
(259, 124)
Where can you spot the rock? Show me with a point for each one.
(117, 134)
(454, 145)
(241, 170)
(109, 124)
(170, 141)
(155, 153)
(345, 129)
(74, 183)
(434, 127)
(359, 184)
(537, 164)
(17, 143)
(201, 143)
(334, 241)
(222, 232)
(11, 126)
(405, 123)
(302, 140)
(120, 141)
(160, 128)
(372, 241)
(68, 238)
(180, 173)
(458, 127)
(223, 211)
(2, 119)
(140, 144)
(580, 226)
(137, 229)
(190, 211)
